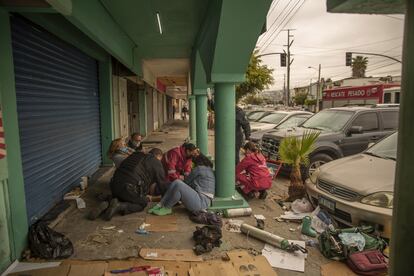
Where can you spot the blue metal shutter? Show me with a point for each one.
(58, 112)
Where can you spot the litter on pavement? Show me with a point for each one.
(287, 260)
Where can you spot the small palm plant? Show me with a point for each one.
(295, 151)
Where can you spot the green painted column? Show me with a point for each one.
(403, 220)
(201, 123)
(142, 102)
(193, 120)
(15, 183)
(105, 98)
(225, 138)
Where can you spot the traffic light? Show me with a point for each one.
(283, 59)
(348, 59)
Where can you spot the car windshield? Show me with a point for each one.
(329, 120)
(256, 115)
(273, 118)
(386, 148)
(292, 122)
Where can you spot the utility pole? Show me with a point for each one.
(284, 89)
(289, 62)
(318, 89)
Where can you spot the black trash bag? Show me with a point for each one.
(207, 218)
(206, 238)
(48, 244)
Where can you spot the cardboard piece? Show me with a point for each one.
(216, 268)
(61, 270)
(282, 259)
(186, 255)
(91, 269)
(336, 268)
(161, 223)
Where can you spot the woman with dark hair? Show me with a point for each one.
(195, 192)
(252, 174)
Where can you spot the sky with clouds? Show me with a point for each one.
(323, 38)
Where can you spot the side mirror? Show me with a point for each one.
(355, 130)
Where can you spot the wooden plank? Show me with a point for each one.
(185, 255)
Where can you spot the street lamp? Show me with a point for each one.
(318, 86)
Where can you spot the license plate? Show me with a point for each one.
(327, 203)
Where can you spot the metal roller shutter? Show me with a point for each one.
(58, 111)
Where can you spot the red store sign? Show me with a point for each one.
(353, 93)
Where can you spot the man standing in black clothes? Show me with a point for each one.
(131, 183)
(242, 125)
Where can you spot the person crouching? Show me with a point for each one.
(252, 174)
(196, 192)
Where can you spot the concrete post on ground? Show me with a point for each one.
(225, 139)
(201, 123)
(403, 220)
(192, 115)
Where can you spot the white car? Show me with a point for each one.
(271, 120)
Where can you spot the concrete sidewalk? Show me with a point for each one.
(93, 241)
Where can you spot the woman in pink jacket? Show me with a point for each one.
(252, 174)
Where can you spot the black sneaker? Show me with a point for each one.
(263, 194)
(114, 207)
(95, 213)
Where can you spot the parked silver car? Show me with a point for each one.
(274, 118)
(358, 190)
(291, 122)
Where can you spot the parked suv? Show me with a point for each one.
(344, 131)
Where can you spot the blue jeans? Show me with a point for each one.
(191, 199)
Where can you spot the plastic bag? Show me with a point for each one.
(300, 206)
(353, 239)
(47, 243)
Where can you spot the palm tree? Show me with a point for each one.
(295, 151)
(359, 66)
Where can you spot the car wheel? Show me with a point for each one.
(316, 161)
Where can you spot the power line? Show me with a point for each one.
(287, 22)
(274, 22)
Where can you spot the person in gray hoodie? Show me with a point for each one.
(195, 192)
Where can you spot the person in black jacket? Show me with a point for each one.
(131, 182)
(135, 141)
(242, 125)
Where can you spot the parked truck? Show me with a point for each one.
(361, 95)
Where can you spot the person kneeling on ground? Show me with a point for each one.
(177, 161)
(131, 183)
(252, 174)
(195, 192)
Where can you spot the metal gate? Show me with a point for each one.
(58, 111)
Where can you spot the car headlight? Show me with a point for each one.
(380, 199)
(314, 176)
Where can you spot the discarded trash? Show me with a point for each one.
(307, 227)
(300, 206)
(259, 217)
(141, 229)
(271, 238)
(353, 239)
(312, 243)
(108, 227)
(279, 258)
(260, 224)
(290, 215)
(120, 231)
(84, 182)
(279, 219)
(80, 203)
(233, 225)
(206, 238)
(292, 229)
(208, 218)
(240, 212)
(47, 243)
(74, 194)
